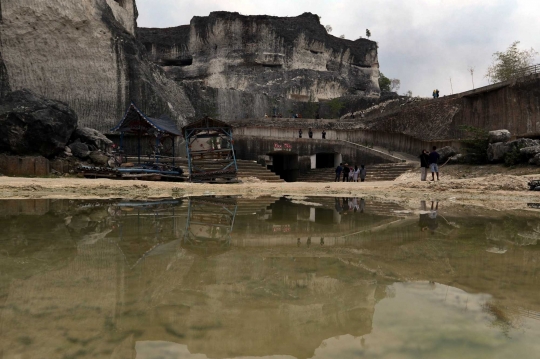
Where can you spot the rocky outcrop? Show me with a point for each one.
(499, 136)
(497, 151)
(85, 54)
(32, 125)
(269, 62)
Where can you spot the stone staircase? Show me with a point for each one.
(375, 173)
(245, 169)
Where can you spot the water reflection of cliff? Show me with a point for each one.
(83, 279)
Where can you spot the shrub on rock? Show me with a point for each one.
(33, 125)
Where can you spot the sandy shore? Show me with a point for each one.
(494, 191)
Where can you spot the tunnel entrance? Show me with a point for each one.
(285, 165)
(326, 160)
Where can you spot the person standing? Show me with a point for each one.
(339, 169)
(323, 134)
(424, 164)
(310, 133)
(346, 171)
(363, 173)
(434, 94)
(437, 92)
(300, 133)
(433, 163)
(351, 174)
(356, 173)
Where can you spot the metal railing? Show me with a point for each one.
(527, 71)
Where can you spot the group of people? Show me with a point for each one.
(435, 93)
(429, 160)
(310, 133)
(350, 174)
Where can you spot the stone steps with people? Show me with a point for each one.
(375, 173)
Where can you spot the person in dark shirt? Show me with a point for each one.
(310, 133)
(324, 134)
(433, 163)
(339, 169)
(424, 164)
(300, 133)
(346, 171)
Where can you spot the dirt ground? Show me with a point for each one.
(494, 187)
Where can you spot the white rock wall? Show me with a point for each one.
(65, 50)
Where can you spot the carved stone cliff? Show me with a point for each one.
(85, 53)
(241, 66)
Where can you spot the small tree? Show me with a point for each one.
(507, 64)
(408, 93)
(384, 83)
(368, 33)
(328, 28)
(336, 105)
(341, 36)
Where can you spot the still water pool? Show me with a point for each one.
(211, 277)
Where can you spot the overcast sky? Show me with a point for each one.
(423, 43)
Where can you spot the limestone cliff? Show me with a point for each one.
(248, 65)
(85, 53)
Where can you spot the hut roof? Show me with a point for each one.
(136, 121)
(206, 123)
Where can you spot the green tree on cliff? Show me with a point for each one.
(368, 33)
(384, 83)
(336, 105)
(508, 64)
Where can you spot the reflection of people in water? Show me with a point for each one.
(322, 241)
(339, 209)
(428, 219)
(309, 242)
(362, 206)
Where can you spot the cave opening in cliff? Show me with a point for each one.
(177, 62)
(285, 165)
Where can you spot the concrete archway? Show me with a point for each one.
(285, 164)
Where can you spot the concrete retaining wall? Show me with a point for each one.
(249, 147)
(24, 166)
(392, 141)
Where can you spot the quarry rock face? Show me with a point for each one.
(32, 125)
(263, 62)
(85, 53)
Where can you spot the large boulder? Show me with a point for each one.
(446, 153)
(499, 136)
(80, 150)
(99, 158)
(530, 152)
(497, 151)
(523, 142)
(535, 160)
(92, 138)
(33, 125)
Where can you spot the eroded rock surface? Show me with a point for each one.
(499, 136)
(32, 125)
(85, 53)
(266, 61)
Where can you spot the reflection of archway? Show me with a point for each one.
(285, 164)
